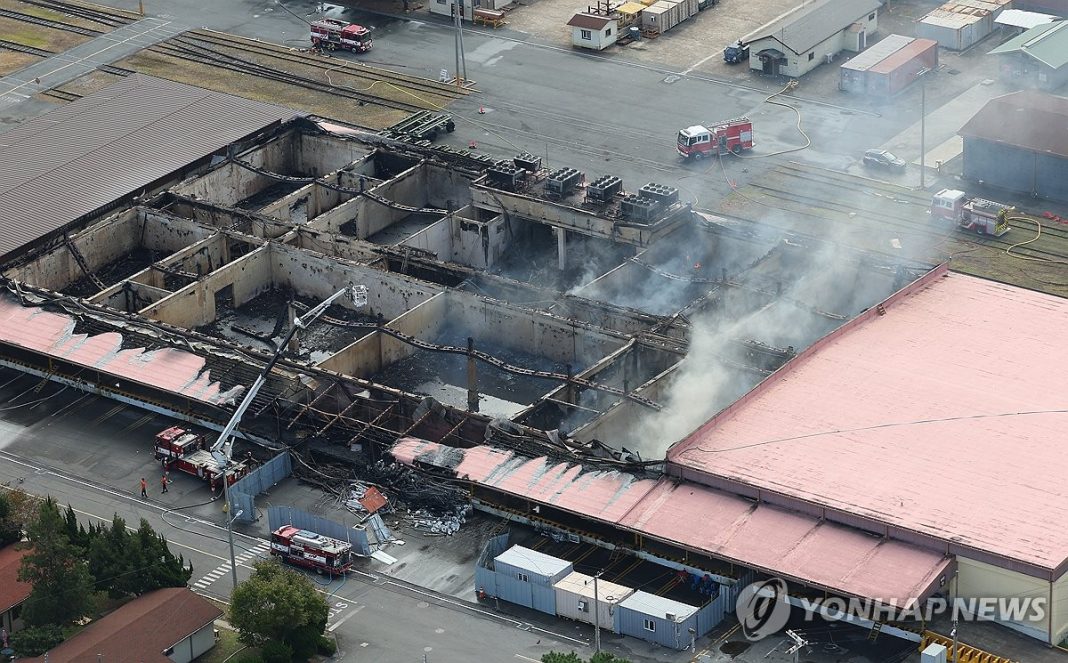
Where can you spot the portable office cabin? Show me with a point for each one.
(526, 577)
(593, 31)
(853, 75)
(656, 619)
(958, 24)
(575, 599)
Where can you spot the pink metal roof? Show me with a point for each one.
(606, 495)
(794, 545)
(945, 416)
(53, 334)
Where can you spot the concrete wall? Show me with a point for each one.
(194, 305)
(333, 244)
(444, 185)
(463, 240)
(529, 331)
(109, 241)
(306, 203)
(131, 297)
(373, 353)
(319, 154)
(230, 183)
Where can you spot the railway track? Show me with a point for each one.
(49, 23)
(100, 16)
(1053, 247)
(353, 68)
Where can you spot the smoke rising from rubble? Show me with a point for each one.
(781, 283)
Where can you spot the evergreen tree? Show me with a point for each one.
(279, 607)
(10, 529)
(161, 567)
(114, 560)
(75, 532)
(62, 586)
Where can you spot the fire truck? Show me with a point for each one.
(183, 450)
(984, 217)
(719, 138)
(332, 34)
(310, 550)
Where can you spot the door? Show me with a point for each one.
(768, 63)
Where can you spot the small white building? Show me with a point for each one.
(593, 31)
(467, 7)
(809, 35)
(575, 599)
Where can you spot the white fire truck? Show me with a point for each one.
(983, 217)
(183, 450)
(312, 551)
(332, 34)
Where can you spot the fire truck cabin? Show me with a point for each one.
(310, 550)
(176, 442)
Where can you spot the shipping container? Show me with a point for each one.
(656, 619)
(575, 599)
(676, 11)
(695, 6)
(853, 75)
(526, 577)
(656, 18)
(899, 70)
(951, 30)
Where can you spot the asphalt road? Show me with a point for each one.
(602, 115)
(63, 443)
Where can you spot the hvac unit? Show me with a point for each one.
(667, 195)
(604, 188)
(639, 208)
(563, 181)
(506, 175)
(528, 162)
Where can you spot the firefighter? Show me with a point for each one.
(164, 481)
(144, 487)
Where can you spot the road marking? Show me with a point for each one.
(526, 658)
(140, 422)
(201, 584)
(697, 64)
(110, 413)
(344, 619)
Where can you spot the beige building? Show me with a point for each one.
(811, 34)
(575, 599)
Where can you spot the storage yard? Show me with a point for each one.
(558, 394)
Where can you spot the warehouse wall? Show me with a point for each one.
(999, 165)
(980, 580)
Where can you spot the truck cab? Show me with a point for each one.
(728, 137)
(981, 216)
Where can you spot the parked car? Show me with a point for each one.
(883, 159)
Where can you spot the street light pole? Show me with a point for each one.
(923, 126)
(221, 450)
(596, 616)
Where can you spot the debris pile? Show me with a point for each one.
(442, 525)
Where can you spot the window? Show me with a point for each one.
(608, 32)
(587, 35)
(583, 606)
(522, 577)
(871, 16)
(649, 625)
(810, 56)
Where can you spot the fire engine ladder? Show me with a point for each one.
(80, 259)
(876, 628)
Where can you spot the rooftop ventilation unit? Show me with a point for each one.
(667, 195)
(563, 181)
(604, 188)
(639, 208)
(528, 162)
(505, 175)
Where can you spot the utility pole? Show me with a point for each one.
(954, 658)
(457, 7)
(923, 126)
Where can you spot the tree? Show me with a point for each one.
(278, 608)
(161, 567)
(130, 564)
(36, 640)
(10, 528)
(62, 586)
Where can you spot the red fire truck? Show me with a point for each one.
(332, 34)
(730, 136)
(984, 217)
(183, 450)
(310, 550)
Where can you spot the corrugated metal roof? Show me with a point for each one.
(878, 52)
(66, 163)
(532, 560)
(904, 56)
(794, 545)
(920, 395)
(1019, 18)
(657, 606)
(1046, 43)
(582, 585)
(1028, 119)
(949, 19)
(808, 25)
